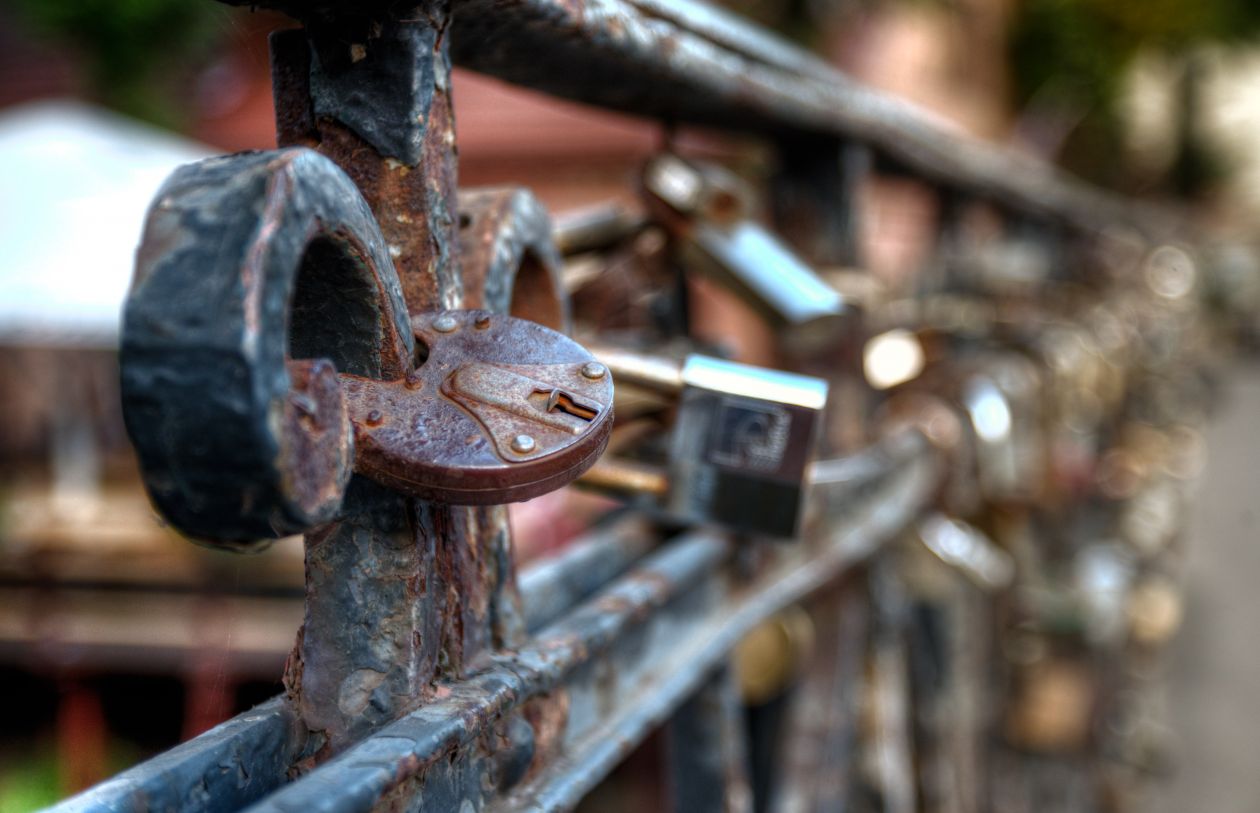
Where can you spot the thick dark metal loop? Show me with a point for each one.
(249, 261)
(510, 260)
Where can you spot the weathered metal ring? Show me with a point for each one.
(510, 260)
(248, 263)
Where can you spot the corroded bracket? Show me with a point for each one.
(509, 256)
(256, 271)
(247, 261)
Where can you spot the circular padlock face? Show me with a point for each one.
(498, 410)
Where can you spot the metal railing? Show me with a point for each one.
(427, 674)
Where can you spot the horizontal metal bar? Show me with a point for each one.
(226, 768)
(423, 741)
(248, 756)
(685, 61)
(906, 471)
(623, 661)
(553, 586)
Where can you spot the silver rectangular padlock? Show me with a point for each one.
(740, 445)
(743, 440)
(704, 208)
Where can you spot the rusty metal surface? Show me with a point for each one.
(433, 585)
(407, 173)
(235, 255)
(501, 410)
(510, 261)
(271, 355)
(249, 756)
(457, 712)
(617, 667)
(686, 61)
(552, 586)
(228, 767)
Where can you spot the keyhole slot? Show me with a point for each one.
(560, 401)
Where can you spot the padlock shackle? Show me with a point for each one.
(659, 374)
(626, 478)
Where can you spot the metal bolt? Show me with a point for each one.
(523, 444)
(594, 370)
(445, 323)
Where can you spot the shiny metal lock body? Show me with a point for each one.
(968, 550)
(1002, 400)
(743, 439)
(703, 208)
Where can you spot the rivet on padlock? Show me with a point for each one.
(739, 448)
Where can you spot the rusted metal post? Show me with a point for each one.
(707, 750)
(818, 753)
(403, 592)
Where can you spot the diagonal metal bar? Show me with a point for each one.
(247, 757)
(685, 61)
(622, 663)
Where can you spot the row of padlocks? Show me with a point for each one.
(999, 654)
(1042, 586)
(857, 542)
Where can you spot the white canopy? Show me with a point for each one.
(75, 182)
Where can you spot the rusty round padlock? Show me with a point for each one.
(267, 356)
(501, 410)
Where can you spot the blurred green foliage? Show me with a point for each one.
(30, 778)
(30, 781)
(1074, 55)
(135, 51)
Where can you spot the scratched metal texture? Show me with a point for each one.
(593, 680)
(686, 61)
(421, 680)
(618, 665)
(206, 331)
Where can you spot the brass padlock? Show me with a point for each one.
(1053, 707)
(1154, 611)
(773, 654)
